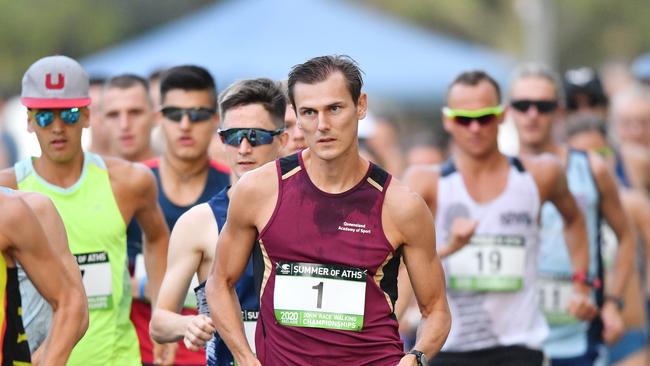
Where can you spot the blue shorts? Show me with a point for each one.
(633, 341)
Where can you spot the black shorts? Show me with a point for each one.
(502, 356)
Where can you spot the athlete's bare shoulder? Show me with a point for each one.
(546, 170)
(8, 178)
(402, 208)
(41, 204)
(198, 229)
(19, 218)
(254, 196)
(260, 181)
(136, 177)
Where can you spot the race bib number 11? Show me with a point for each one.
(488, 263)
(555, 294)
(97, 278)
(319, 296)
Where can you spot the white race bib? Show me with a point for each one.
(250, 324)
(97, 278)
(555, 294)
(488, 263)
(319, 296)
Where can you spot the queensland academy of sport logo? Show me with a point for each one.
(354, 228)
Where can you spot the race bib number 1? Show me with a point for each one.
(488, 263)
(319, 296)
(97, 278)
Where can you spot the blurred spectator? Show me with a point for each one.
(8, 148)
(641, 68)
(296, 140)
(584, 92)
(630, 116)
(426, 149)
(128, 116)
(157, 140)
(630, 129)
(99, 141)
(588, 132)
(616, 77)
(382, 139)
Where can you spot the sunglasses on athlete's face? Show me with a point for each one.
(45, 117)
(542, 106)
(483, 116)
(198, 114)
(255, 136)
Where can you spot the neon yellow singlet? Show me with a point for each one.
(97, 237)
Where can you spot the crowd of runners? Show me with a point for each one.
(278, 223)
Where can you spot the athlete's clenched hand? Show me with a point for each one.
(461, 231)
(408, 360)
(613, 325)
(198, 332)
(581, 307)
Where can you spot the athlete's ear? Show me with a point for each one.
(447, 123)
(284, 138)
(85, 117)
(503, 115)
(362, 106)
(30, 123)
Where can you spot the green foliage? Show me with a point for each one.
(588, 32)
(30, 29)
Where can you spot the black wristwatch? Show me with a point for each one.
(419, 356)
(619, 302)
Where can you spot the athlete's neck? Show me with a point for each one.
(184, 170)
(61, 174)
(144, 155)
(548, 146)
(233, 180)
(476, 166)
(337, 175)
(183, 181)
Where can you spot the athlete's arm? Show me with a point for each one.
(553, 187)
(194, 232)
(409, 221)
(152, 222)
(612, 209)
(234, 247)
(8, 178)
(638, 207)
(28, 244)
(423, 180)
(53, 225)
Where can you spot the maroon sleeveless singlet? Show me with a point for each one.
(320, 250)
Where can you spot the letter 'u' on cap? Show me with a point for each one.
(55, 82)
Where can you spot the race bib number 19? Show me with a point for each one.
(488, 263)
(319, 296)
(97, 279)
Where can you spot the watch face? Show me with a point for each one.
(419, 356)
(422, 360)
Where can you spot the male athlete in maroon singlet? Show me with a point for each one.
(332, 228)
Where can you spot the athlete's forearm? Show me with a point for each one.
(577, 241)
(155, 259)
(433, 332)
(167, 326)
(69, 323)
(226, 315)
(624, 264)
